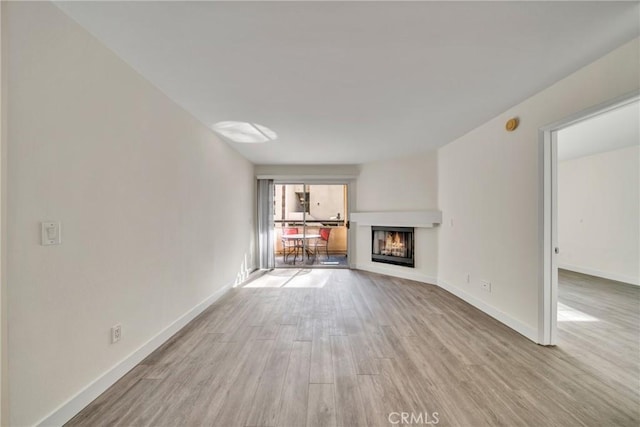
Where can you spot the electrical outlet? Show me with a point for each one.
(485, 285)
(116, 333)
(468, 278)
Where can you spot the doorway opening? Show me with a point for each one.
(310, 225)
(580, 127)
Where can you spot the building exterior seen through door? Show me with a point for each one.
(310, 224)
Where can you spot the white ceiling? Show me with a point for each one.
(351, 82)
(609, 131)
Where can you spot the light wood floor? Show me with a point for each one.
(347, 348)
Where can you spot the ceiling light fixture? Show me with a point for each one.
(244, 132)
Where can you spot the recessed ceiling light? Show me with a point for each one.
(244, 132)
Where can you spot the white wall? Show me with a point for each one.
(405, 184)
(489, 186)
(599, 214)
(308, 171)
(157, 213)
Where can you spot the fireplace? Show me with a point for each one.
(392, 245)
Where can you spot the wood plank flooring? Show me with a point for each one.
(348, 348)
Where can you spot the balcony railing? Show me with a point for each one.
(315, 222)
(337, 238)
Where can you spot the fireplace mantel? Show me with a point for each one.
(418, 219)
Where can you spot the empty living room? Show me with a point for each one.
(319, 213)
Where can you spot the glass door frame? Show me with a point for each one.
(305, 182)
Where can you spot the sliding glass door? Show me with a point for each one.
(310, 225)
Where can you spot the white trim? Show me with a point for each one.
(308, 179)
(424, 219)
(547, 306)
(553, 329)
(351, 230)
(604, 274)
(504, 318)
(410, 273)
(515, 324)
(71, 407)
(4, 338)
(596, 110)
(544, 295)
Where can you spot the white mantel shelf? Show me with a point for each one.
(418, 219)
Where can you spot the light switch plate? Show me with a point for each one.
(51, 233)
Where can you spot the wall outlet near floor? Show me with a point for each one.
(468, 277)
(485, 285)
(116, 333)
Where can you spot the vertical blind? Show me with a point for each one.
(265, 224)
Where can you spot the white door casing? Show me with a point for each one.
(548, 307)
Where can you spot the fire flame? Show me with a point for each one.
(394, 245)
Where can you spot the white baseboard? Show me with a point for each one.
(70, 408)
(402, 272)
(514, 324)
(605, 275)
(509, 321)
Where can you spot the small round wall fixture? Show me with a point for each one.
(512, 124)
